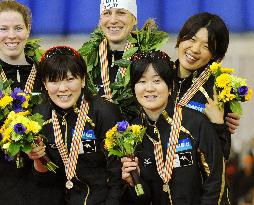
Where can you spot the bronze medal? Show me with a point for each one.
(165, 188)
(69, 184)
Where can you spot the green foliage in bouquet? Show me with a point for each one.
(122, 139)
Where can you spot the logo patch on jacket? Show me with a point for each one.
(88, 135)
(183, 159)
(183, 144)
(196, 106)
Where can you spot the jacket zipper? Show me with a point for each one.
(88, 190)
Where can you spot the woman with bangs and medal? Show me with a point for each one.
(108, 52)
(75, 127)
(16, 64)
(180, 160)
(203, 40)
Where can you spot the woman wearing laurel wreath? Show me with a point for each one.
(180, 160)
(75, 127)
(18, 64)
(108, 51)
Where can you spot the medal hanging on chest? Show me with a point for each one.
(30, 80)
(70, 160)
(165, 169)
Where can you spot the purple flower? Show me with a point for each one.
(8, 158)
(122, 126)
(15, 92)
(17, 103)
(242, 91)
(1, 94)
(19, 128)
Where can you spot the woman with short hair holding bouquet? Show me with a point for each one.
(180, 160)
(75, 126)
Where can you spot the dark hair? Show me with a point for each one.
(20, 8)
(218, 35)
(159, 60)
(57, 61)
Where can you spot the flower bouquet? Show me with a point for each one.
(20, 128)
(122, 140)
(230, 88)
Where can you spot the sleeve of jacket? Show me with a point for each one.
(224, 137)
(211, 163)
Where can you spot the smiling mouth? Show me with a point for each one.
(64, 98)
(12, 45)
(190, 58)
(150, 97)
(115, 29)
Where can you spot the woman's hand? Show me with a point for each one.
(212, 110)
(38, 151)
(232, 121)
(127, 166)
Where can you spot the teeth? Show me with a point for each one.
(150, 97)
(64, 97)
(114, 29)
(11, 45)
(190, 57)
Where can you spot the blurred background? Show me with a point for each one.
(69, 22)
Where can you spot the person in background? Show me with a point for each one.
(75, 126)
(16, 185)
(107, 45)
(243, 179)
(180, 160)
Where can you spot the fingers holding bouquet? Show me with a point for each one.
(38, 151)
(129, 165)
(42, 163)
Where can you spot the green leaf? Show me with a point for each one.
(122, 63)
(127, 77)
(115, 153)
(37, 118)
(129, 149)
(236, 108)
(127, 54)
(14, 149)
(27, 148)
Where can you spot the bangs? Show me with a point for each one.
(56, 68)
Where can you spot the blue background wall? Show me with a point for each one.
(81, 16)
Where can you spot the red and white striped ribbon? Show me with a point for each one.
(30, 80)
(103, 53)
(165, 169)
(70, 161)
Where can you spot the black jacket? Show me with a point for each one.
(98, 178)
(198, 174)
(17, 185)
(198, 103)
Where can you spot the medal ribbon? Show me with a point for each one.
(70, 161)
(103, 53)
(30, 80)
(165, 169)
